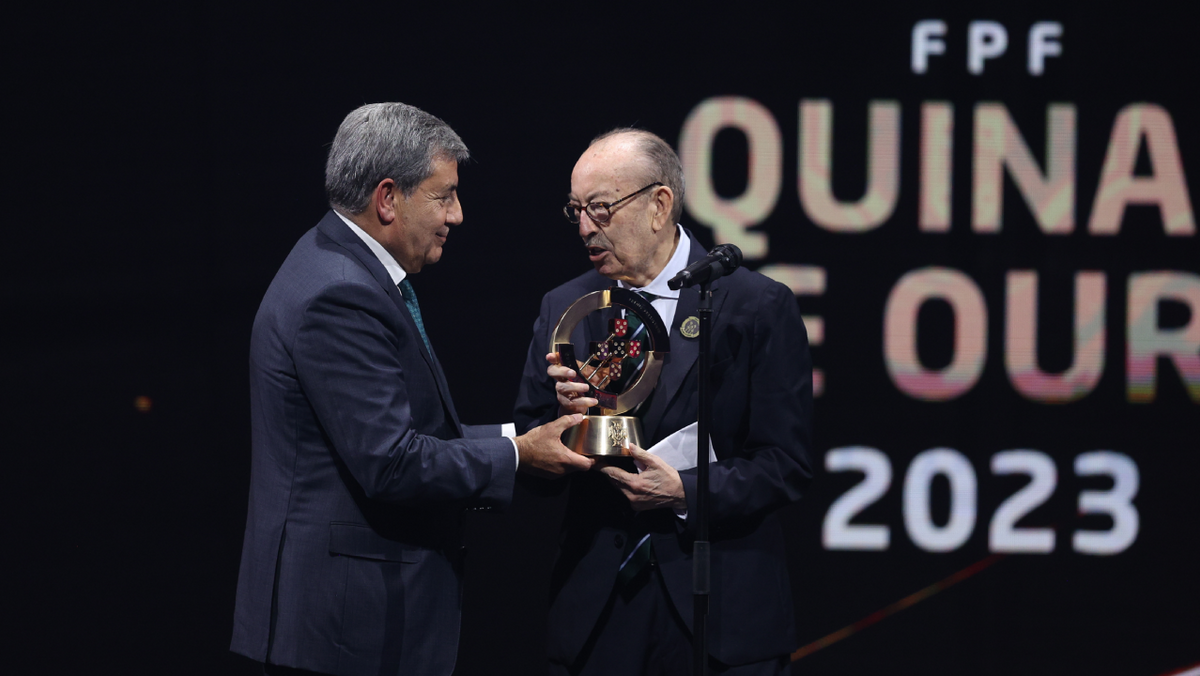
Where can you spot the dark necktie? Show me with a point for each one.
(640, 556)
(410, 300)
(637, 331)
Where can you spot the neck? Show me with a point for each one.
(659, 260)
(368, 225)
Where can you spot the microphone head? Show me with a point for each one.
(732, 256)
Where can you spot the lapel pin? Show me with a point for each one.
(690, 328)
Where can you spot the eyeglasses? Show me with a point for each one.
(600, 212)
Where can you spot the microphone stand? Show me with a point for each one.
(701, 561)
(722, 260)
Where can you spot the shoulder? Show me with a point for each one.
(759, 303)
(567, 293)
(317, 261)
(750, 284)
(317, 267)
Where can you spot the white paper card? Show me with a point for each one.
(679, 449)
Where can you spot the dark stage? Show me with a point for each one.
(999, 269)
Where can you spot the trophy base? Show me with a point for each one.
(603, 436)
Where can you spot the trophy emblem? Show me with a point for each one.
(621, 370)
(616, 434)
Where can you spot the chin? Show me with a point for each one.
(608, 271)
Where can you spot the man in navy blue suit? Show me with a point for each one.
(360, 468)
(622, 585)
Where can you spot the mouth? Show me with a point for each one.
(596, 253)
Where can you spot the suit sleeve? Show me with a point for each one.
(770, 467)
(489, 431)
(348, 361)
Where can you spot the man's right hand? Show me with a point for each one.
(568, 388)
(542, 453)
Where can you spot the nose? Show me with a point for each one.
(455, 215)
(586, 225)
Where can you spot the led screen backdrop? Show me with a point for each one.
(987, 216)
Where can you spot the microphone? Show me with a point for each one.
(722, 260)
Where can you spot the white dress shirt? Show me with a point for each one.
(665, 302)
(398, 274)
(393, 268)
(667, 299)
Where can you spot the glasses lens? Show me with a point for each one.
(571, 212)
(598, 212)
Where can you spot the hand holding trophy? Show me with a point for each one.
(620, 371)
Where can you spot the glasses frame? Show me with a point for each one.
(573, 212)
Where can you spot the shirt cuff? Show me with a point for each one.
(510, 430)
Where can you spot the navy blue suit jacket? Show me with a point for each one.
(359, 474)
(762, 403)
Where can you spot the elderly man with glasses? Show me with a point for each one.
(622, 584)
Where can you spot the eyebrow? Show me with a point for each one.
(591, 199)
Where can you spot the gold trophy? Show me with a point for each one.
(605, 435)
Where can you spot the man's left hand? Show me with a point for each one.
(657, 485)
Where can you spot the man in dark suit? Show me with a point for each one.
(622, 585)
(360, 471)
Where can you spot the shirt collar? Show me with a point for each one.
(678, 262)
(393, 268)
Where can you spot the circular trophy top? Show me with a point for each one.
(606, 356)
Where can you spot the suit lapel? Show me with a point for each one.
(596, 325)
(684, 352)
(333, 227)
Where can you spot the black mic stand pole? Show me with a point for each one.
(701, 562)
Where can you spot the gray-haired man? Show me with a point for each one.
(360, 469)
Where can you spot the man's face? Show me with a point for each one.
(624, 247)
(423, 219)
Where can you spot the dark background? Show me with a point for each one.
(166, 158)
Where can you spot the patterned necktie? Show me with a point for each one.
(636, 331)
(410, 300)
(641, 554)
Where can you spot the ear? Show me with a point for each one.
(383, 200)
(663, 200)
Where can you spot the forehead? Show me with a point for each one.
(606, 169)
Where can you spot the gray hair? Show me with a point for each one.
(664, 165)
(386, 140)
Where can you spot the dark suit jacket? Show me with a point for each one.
(359, 474)
(762, 403)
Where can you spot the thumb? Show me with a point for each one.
(646, 458)
(552, 358)
(568, 421)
